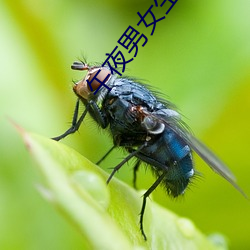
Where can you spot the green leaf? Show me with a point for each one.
(107, 215)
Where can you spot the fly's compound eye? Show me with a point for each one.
(93, 81)
(152, 125)
(97, 77)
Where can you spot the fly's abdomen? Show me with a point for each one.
(178, 176)
(170, 155)
(180, 166)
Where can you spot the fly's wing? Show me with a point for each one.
(212, 160)
(175, 124)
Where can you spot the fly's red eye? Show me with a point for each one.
(97, 77)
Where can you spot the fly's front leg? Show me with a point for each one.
(75, 123)
(98, 115)
(93, 109)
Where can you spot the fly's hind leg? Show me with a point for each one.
(145, 196)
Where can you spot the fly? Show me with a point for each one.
(149, 128)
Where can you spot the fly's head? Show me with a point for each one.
(96, 76)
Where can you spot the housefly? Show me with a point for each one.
(149, 128)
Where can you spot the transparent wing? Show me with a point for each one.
(208, 156)
(175, 124)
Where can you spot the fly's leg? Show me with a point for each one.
(91, 107)
(105, 155)
(136, 167)
(145, 196)
(97, 114)
(124, 161)
(75, 124)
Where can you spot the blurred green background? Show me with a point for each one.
(199, 56)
